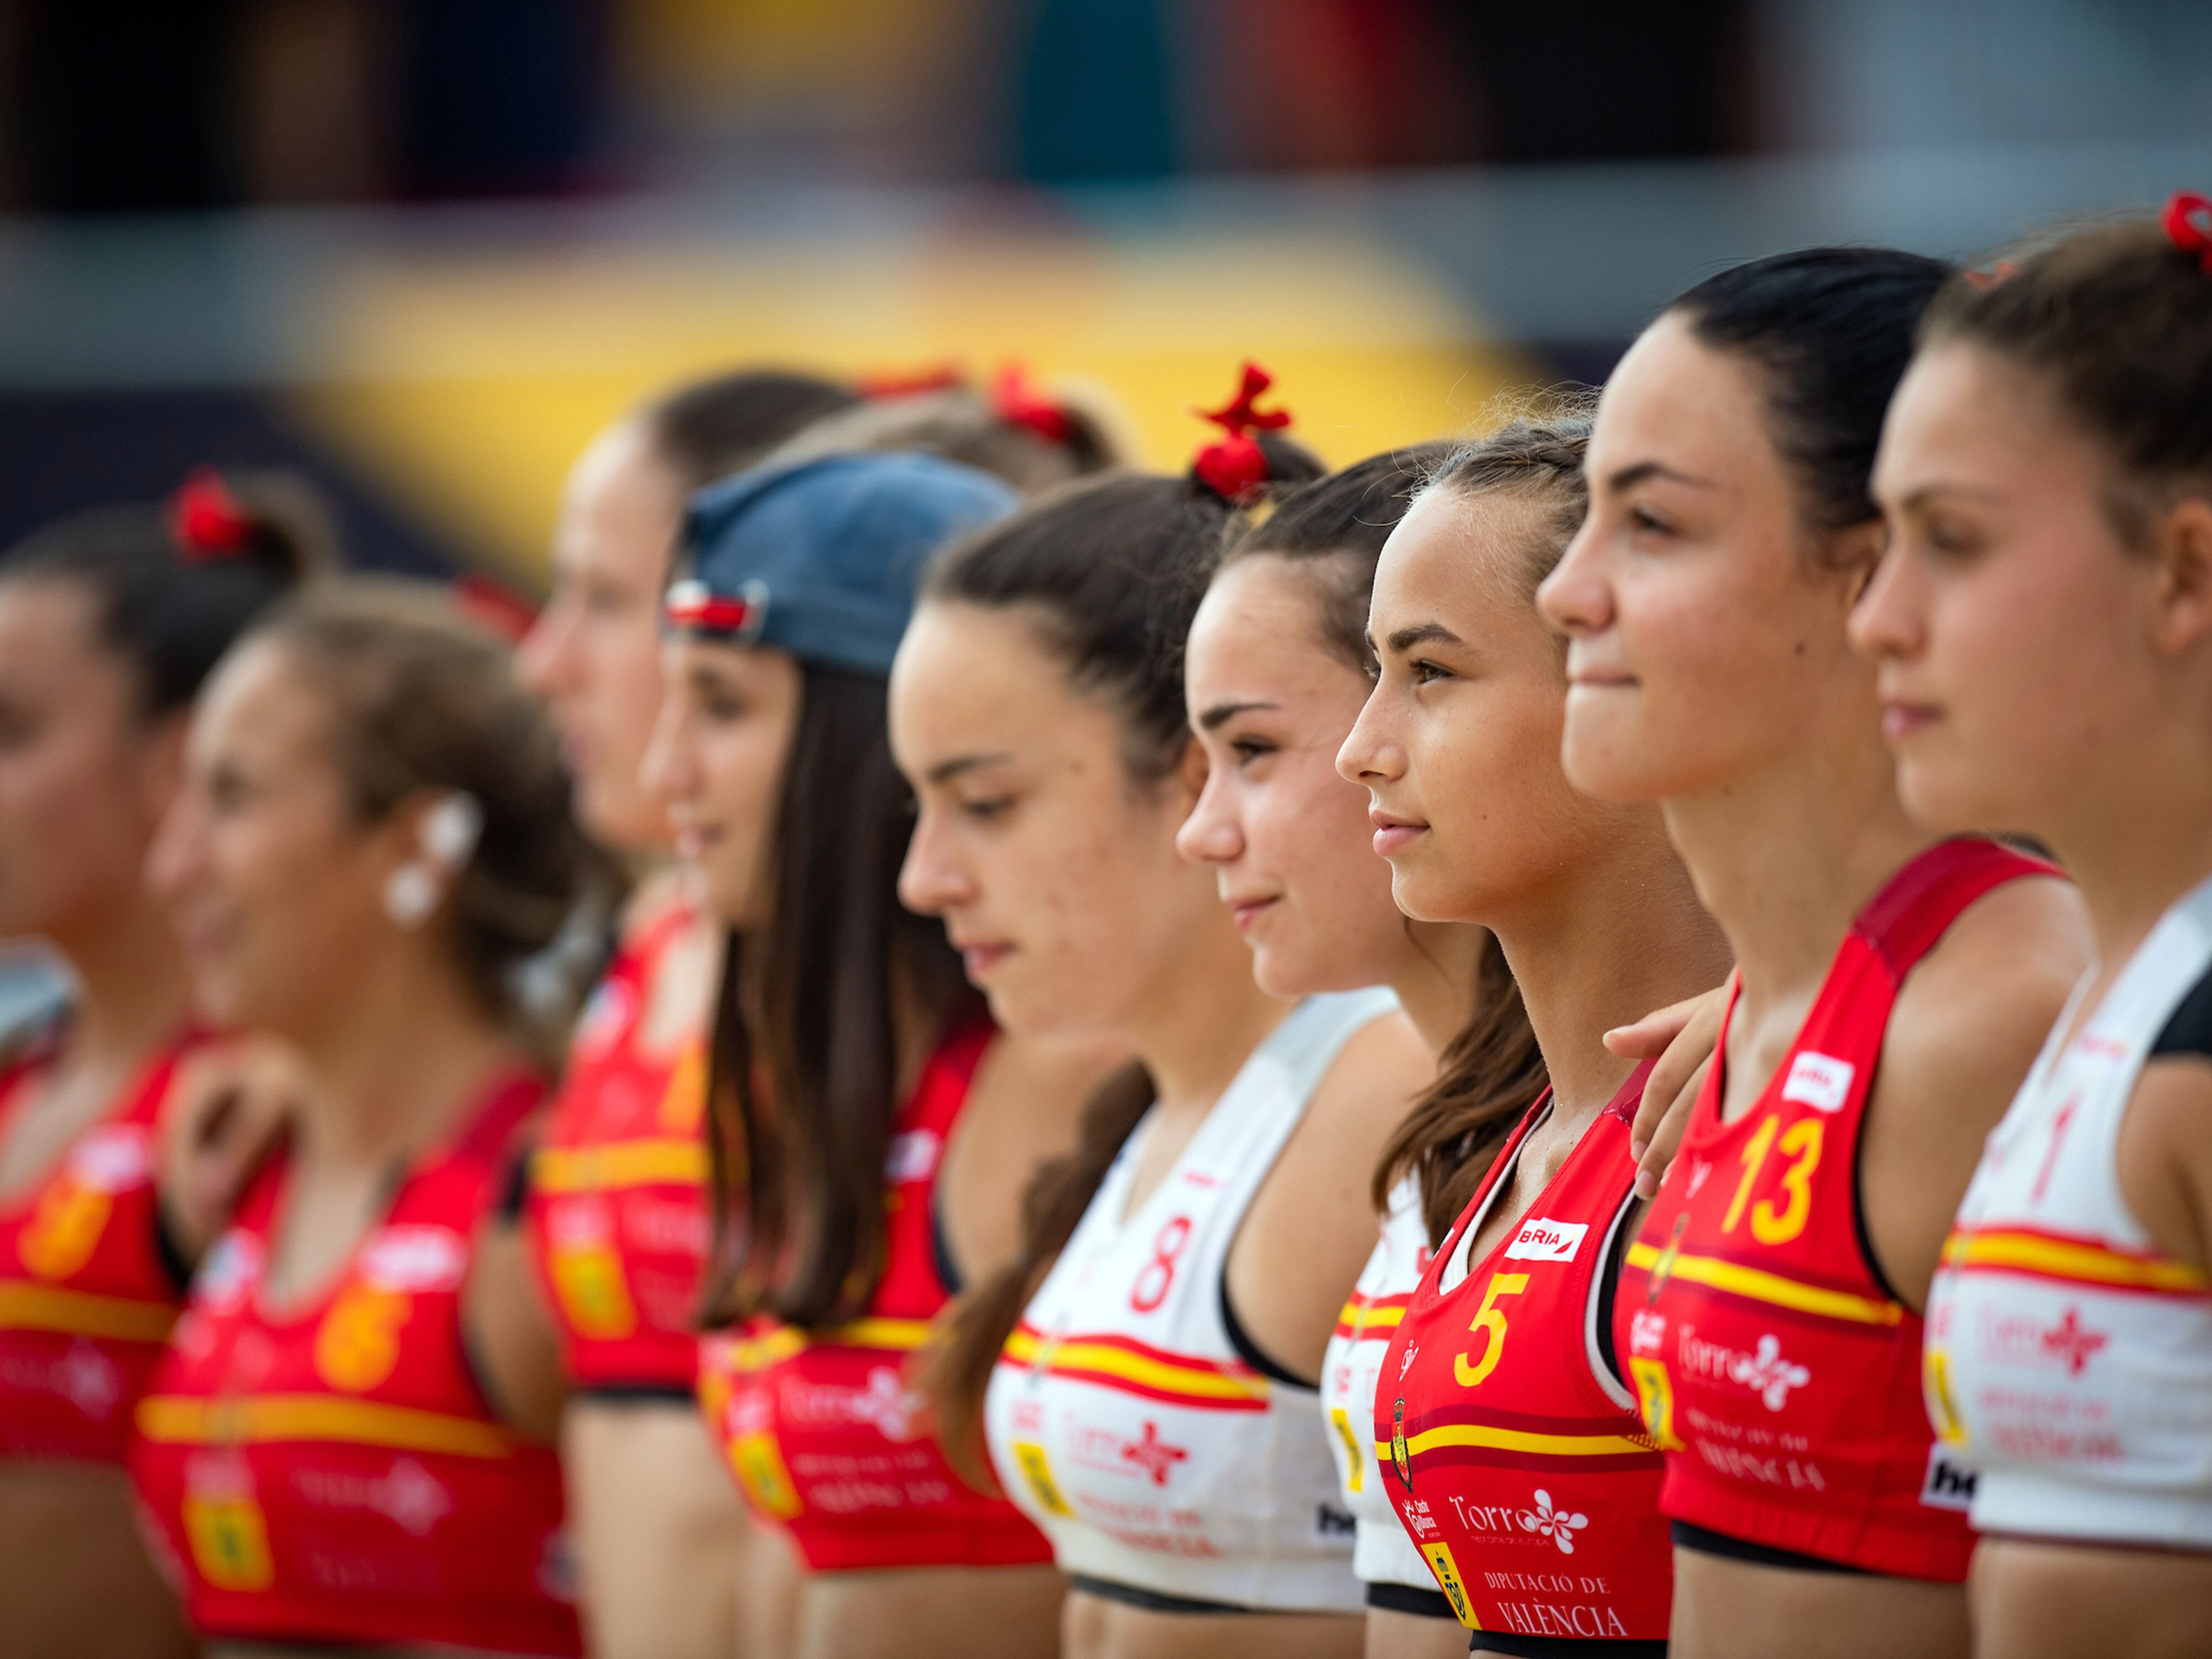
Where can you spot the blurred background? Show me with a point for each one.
(422, 248)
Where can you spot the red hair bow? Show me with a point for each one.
(206, 520)
(2189, 223)
(1014, 401)
(910, 383)
(1234, 467)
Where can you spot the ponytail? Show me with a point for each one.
(955, 1368)
(1486, 1079)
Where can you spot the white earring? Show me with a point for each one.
(411, 892)
(450, 828)
(448, 837)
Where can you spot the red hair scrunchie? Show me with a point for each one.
(1016, 402)
(2188, 221)
(1234, 466)
(206, 520)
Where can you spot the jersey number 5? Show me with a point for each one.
(1491, 1324)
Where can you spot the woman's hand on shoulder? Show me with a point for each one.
(1679, 1038)
(1967, 1024)
(227, 1103)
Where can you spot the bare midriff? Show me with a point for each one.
(78, 1578)
(1729, 1609)
(2034, 1599)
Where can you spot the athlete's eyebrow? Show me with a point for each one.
(1941, 487)
(1628, 477)
(1406, 638)
(945, 770)
(1224, 711)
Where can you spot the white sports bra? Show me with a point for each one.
(1382, 1553)
(1166, 1468)
(2068, 1359)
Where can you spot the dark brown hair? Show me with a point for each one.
(803, 1072)
(1491, 1072)
(2119, 321)
(170, 617)
(1831, 330)
(957, 424)
(1334, 528)
(1112, 571)
(421, 699)
(711, 429)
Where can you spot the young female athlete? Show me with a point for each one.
(1891, 985)
(618, 1187)
(1149, 1355)
(2044, 625)
(1276, 671)
(870, 1131)
(346, 1443)
(109, 1188)
(1511, 1445)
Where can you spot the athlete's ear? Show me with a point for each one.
(1857, 550)
(1190, 776)
(2181, 541)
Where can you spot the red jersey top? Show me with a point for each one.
(86, 1297)
(1773, 1363)
(333, 1472)
(1515, 1459)
(616, 1209)
(818, 1426)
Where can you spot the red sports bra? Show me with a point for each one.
(1774, 1364)
(819, 1427)
(333, 1474)
(618, 1187)
(1514, 1459)
(86, 1297)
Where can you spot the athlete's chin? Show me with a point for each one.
(1941, 795)
(1604, 759)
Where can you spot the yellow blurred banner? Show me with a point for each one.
(465, 383)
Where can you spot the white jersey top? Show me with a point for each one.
(1121, 1418)
(1380, 1553)
(2068, 1360)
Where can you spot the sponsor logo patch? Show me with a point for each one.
(1543, 1240)
(1820, 1081)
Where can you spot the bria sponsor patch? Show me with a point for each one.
(1544, 1239)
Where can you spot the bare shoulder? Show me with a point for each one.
(1371, 1082)
(2164, 1155)
(1965, 1030)
(1022, 1109)
(1973, 1013)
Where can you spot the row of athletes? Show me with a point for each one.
(1858, 558)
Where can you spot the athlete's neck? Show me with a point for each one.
(404, 1055)
(2136, 834)
(1436, 983)
(1786, 859)
(1621, 934)
(132, 995)
(1204, 1016)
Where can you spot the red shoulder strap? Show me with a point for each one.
(947, 1076)
(1926, 896)
(485, 1136)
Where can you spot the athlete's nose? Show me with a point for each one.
(1211, 834)
(1576, 598)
